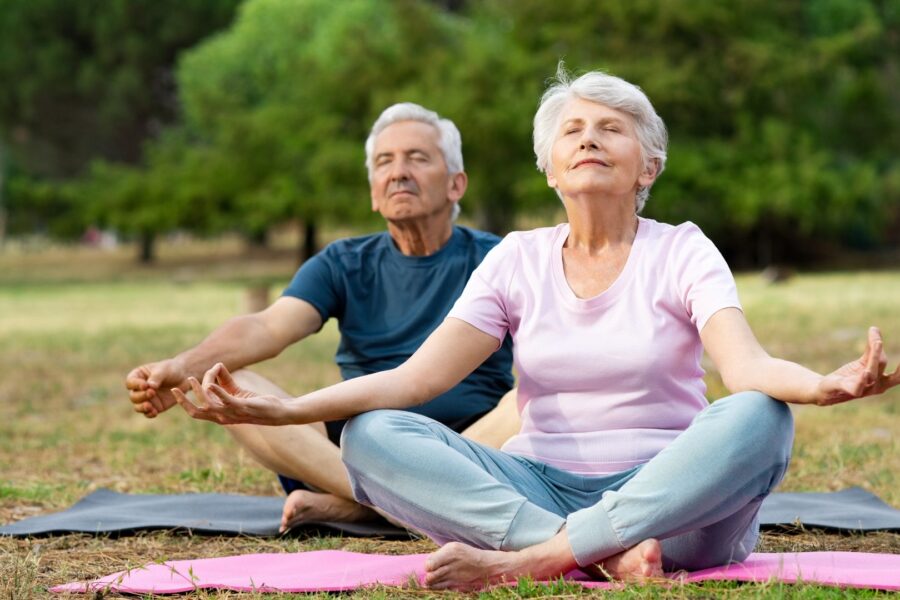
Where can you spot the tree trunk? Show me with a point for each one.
(256, 240)
(309, 245)
(494, 218)
(147, 248)
(2, 205)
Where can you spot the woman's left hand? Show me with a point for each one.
(862, 377)
(222, 401)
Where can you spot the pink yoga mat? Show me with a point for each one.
(335, 570)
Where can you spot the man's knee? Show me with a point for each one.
(249, 380)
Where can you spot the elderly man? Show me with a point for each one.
(389, 291)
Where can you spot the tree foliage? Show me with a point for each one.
(93, 78)
(783, 117)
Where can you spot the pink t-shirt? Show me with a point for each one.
(604, 383)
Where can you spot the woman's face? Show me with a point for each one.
(596, 150)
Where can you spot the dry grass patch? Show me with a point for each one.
(66, 426)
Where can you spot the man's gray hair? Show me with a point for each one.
(449, 138)
(610, 91)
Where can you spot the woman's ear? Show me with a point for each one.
(651, 170)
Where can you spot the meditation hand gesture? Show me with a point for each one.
(862, 377)
(222, 401)
(148, 386)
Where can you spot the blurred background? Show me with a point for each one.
(145, 122)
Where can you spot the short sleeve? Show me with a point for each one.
(315, 283)
(703, 278)
(483, 303)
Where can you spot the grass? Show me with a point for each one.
(72, 325)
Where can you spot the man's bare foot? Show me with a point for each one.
(638, 563)
(462, 567)
(303, 506)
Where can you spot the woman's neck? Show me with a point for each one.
(596, 224)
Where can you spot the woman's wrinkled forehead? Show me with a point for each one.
(580, 110)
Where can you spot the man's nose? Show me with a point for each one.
(399, 170)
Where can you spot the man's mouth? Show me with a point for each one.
(403, 190)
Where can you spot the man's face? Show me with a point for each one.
(409, 175)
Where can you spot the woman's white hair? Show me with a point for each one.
(449, 138)
(610, 91)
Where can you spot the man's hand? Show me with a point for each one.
(222, 401)
(149, 386)
(862, 377)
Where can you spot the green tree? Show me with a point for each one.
(92, 79)
(783, 117)
(287, 95)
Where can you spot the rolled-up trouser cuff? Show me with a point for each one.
(531, 525)
(591, 535)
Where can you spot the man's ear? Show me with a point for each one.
(456, 187)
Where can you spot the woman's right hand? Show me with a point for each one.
(862, 377)
(222, 401)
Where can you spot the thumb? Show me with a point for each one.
(153, 381)
(156, 378)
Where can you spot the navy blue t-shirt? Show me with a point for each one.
(387, 303)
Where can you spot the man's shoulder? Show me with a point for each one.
(359, 245)
(476, 237)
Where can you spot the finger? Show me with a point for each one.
(224, 378)
(221, 393)
(212, 373)
(146, 409)
(138, 397)
(874, 350)
(156, 401)
(153, 398)
(155, 379)
(189, 407)
(199, 392)
(136, 379)
(894, 378)
(146, 396)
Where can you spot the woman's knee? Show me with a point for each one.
(765, 419)
(369, 436)
(757, 430)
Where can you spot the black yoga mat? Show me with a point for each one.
(853, 509)
(111, 513)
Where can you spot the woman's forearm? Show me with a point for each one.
(387, 389)
(781, 379)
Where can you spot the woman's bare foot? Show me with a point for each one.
(303, 506)
(462, 567)
(636, 564)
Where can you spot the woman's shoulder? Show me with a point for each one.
(672, 237)
(535, 237)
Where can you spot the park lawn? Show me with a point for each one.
(66, 427)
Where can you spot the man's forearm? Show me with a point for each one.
(237, 343)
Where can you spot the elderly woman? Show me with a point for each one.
(620, 462)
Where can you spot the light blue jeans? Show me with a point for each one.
(700, 496)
